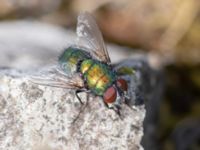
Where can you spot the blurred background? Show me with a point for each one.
(169, 29)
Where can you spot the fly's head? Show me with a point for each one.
(119, 87)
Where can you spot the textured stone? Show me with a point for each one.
(35, 117)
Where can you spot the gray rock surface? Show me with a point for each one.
(41, 118)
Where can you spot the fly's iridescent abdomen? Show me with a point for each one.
(98, 76)
(70, 58)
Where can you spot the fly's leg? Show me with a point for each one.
(79, 91)
(116, 108)
(105, 104)
(82, 106)
(127, 100)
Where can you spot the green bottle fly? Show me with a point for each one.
(90, 62)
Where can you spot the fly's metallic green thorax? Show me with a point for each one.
(70, 59)
(99, 76)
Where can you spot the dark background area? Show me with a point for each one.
(169, 29)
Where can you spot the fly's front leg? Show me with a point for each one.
(116, 108)
(127, 100)
(105, 104)
(83, 106)
(124, 98)
(80, 91)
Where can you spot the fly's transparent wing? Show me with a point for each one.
(90, 36)
(54, 77)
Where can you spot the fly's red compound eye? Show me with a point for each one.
(110, 95)
(122, 84)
